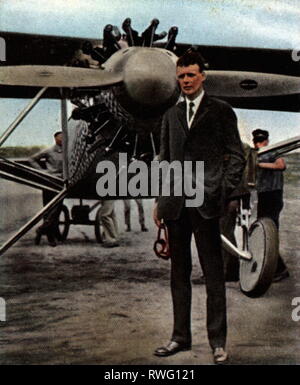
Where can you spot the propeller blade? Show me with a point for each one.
(250, 84)
(56, 76)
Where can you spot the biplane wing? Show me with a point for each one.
(25, 48)
(239, 68)
(32, 49)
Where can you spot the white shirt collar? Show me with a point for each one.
(196, 102)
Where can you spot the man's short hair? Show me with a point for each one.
(260, 135)
(57, 133)
(192, 57)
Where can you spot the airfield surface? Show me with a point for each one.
(79, 303)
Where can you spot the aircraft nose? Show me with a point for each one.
(149, 77)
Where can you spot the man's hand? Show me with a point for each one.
(155, 218)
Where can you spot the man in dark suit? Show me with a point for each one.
(199, 128)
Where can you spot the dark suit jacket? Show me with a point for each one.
(212, 137)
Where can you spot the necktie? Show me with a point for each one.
(191, 110)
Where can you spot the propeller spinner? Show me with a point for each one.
(149, 79)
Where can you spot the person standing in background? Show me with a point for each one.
(269, 186)
(127, 213)
(109, 223)
(52, 159)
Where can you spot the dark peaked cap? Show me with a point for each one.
(260, 135)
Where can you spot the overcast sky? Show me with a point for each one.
(253, 23)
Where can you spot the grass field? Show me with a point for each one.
(19, 151)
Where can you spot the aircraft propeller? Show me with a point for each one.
(241, 84)
(57, 76)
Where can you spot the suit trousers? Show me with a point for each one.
(208, 242)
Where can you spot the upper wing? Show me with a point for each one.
(246, 77)
(276, 61)
(32, 49)
(23, 48)
(235, 72)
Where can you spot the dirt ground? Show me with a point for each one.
(79, 303)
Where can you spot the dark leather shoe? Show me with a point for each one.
(51, 240)
(110, 244)
(52, 243)
(144, 228)
(173, 347)
(37, 239)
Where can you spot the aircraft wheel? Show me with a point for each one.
(98, 227)
(256, 275)
(64, 223)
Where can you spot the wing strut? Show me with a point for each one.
(65, 143)
(282, 147)
(29, 176)
(21, 116)
(33, 221)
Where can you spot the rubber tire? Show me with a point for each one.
(98, 227)
(268, 258)
(66, 223)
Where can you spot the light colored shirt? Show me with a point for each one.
(53, 159)
(196, 102)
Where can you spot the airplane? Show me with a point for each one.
(120, 93)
